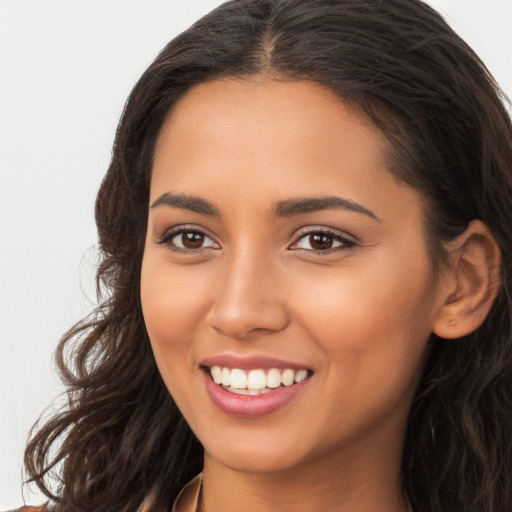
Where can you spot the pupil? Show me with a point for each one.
(192, 240)
(320, 241)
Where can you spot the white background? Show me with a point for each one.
(66, 68)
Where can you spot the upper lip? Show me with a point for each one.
(249, 362)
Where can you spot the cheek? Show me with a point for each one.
(173, 302)
(172, 310)
(373, 334)
(370, 314)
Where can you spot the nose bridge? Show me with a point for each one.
(249, 299)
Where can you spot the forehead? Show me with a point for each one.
(251, 115)
(267, 139)
(285, 109)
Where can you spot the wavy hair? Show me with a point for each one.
(450, 137)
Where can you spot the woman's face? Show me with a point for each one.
(280, 249)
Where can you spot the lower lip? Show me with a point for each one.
(251, 406)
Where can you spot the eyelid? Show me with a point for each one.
(347, 241)
(170, 233)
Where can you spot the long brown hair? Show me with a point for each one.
(121, 435)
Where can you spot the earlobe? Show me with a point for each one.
(474, 277)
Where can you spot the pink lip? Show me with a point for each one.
(250, 362)
(248, 406)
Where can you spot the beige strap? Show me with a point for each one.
(187, 500)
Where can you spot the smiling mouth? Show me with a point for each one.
(255, 382)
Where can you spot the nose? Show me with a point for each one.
(249, 300)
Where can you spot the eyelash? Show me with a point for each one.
(345, 242)
(167, 238)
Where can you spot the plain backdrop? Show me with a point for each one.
(66, 68)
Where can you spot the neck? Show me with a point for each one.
(334, 483)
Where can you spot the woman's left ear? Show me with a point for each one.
(472, 282)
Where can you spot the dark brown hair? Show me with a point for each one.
(450, 135)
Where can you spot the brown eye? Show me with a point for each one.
(192, 239)
(321, 241)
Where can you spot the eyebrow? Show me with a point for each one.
(185, 202)
(303, 205)
(287, 208)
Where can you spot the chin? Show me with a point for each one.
(255, 463)
(256, 457)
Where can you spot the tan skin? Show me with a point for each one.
(347, 292)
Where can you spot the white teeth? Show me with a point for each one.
(226, 377)
(288, 377)
(238, 391)
(257, 379)
(301, 375)
(255, 382)
(216, 374)
(273, 378)
(238, 379)
(252, 392)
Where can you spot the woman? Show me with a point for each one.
(306, 275)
